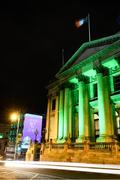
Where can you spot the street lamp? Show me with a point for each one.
(15, 117)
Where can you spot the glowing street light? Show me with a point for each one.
(15, 117)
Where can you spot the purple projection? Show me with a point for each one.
(32, 129)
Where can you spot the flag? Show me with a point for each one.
(80, 22)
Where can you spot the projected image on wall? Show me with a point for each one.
(32, 129)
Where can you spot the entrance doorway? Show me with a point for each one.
(96, 125)
(117, 114)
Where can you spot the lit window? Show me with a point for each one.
(116, 82)
(118, 124)
(96, 125)
(53, 104)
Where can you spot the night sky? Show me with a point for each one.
(32, 36)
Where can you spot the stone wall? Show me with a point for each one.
(75, 154)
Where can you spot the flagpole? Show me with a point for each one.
(89, 27)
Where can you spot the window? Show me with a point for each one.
(96, 121)
(116, 83)
(95, 90)
(53, 104)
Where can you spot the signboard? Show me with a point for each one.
(32, 129)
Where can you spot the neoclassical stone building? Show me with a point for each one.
(84, 99)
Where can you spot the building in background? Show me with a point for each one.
(4, 130)
(32, 129)
(13, 130)
(84, 99)
(4, 134)
(28, 129)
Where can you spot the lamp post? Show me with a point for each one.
(15, 117)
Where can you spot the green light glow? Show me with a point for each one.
(66, 112)
(104, 52)
(92, 44)
(76, 110)
(116, 98)
(61, 116)
(91, 123)
(105, 119)
(110, 63)
(70, 115)
(101, 104)
(90, 72)
(91, 90)
(81, 109)
(73, 80)
(1, 135)
(111, 84)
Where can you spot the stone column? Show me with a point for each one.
(83, 111)
(105, 118)
(70, 114)
(108, 108)
(61, 116)
(92, 130)
(87, 113)
(48, 119)
(56, 117)
(66, 112)
(114, 122)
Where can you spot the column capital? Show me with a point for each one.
(66, 85)
(52, 93)
(100, 68)
(83, 78)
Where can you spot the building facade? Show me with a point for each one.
(84, 98)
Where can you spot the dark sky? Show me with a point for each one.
(32, 35)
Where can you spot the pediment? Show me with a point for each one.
(88, 49)
(87, 53)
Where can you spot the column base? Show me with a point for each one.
(104, 138)
(80, 139)
(61, 141)
(92, 139)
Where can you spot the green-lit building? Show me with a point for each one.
(84, 98)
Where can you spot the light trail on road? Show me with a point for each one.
(81, 167)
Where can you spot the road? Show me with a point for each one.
(35, 172)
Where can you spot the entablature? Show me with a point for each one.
(103, 54)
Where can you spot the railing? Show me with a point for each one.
(99, 146)
(78, 145)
